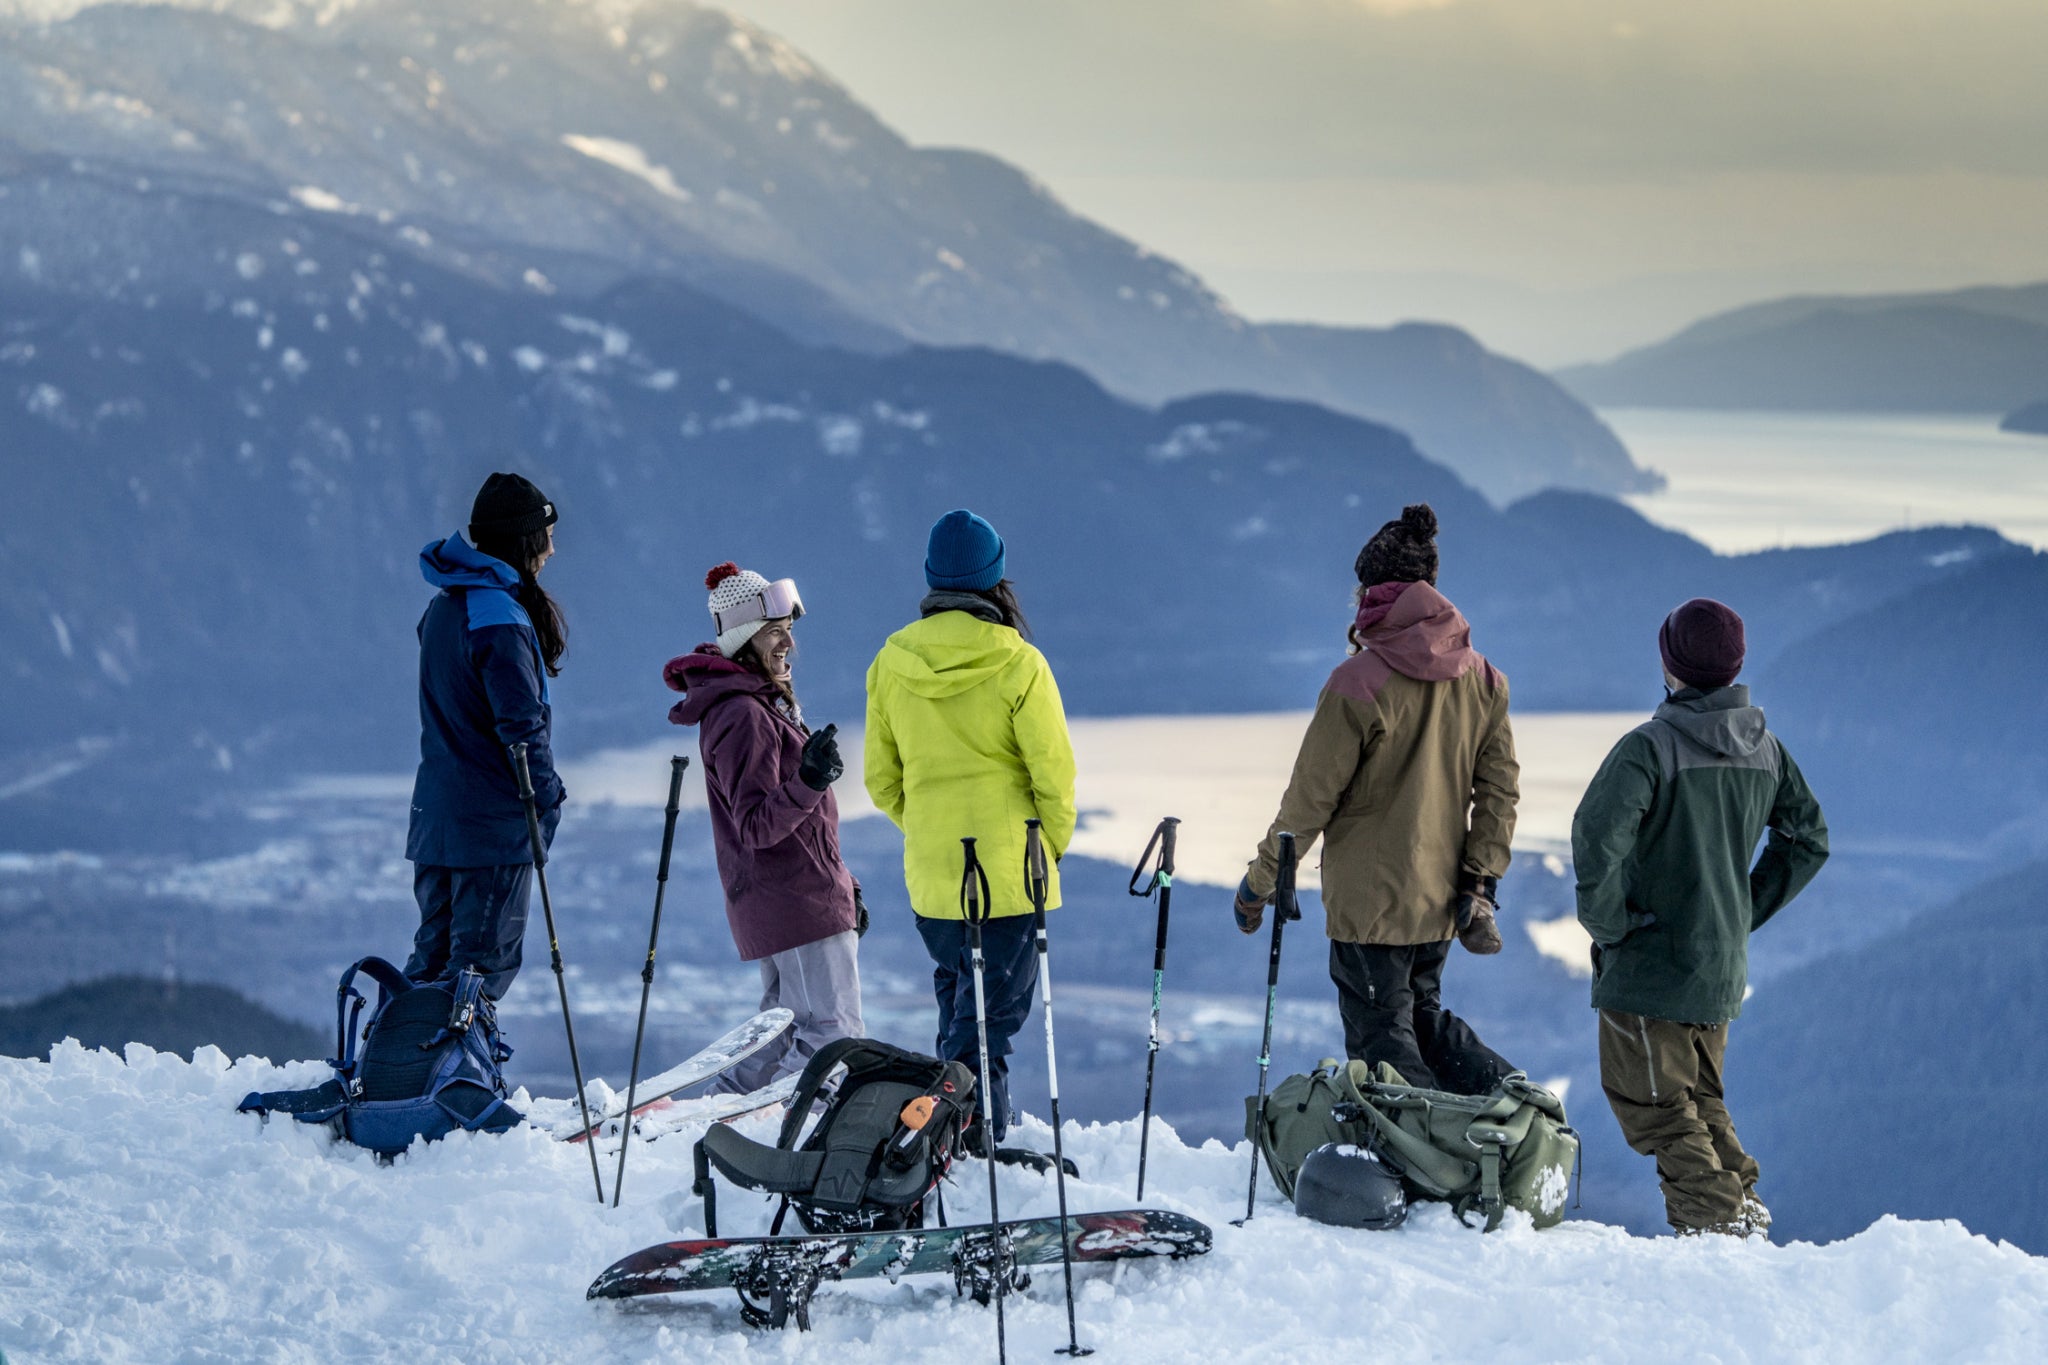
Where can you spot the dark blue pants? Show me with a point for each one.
(1009, 952)
(470, 917)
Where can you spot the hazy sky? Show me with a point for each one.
(1566, 177)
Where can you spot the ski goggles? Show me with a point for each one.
(777, 600)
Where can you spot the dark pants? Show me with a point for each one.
(1009, 951)
(1390, 999)
(1663, 1081)
(470, 917)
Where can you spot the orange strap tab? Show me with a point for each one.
(918, 1113)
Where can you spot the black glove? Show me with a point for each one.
(1249, 909)
(820, 765)
(860, 915)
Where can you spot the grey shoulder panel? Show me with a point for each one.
(1678, 752)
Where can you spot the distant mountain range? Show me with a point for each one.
(574, 145)
(170, 1016)
(2031, 419)
(1982, 350)
(238, 411)
(1930, 1036)
(1918, 717)
(220, 474)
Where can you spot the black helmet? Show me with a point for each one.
(1346, 1185)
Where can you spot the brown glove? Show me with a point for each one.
(1474, 910)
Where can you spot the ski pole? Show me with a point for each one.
(974, 909)
(676, 765)
(540, 873)
(1037, 884)
(1162, 879)
(1284, 909)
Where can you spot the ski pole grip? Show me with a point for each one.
(676, 767)
(1037, 880)
(972, 884)
(1162, 872)
(540, 853)
(1285, 904)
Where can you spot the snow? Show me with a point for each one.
(321, 201)
(146, 1221)
(625, 156)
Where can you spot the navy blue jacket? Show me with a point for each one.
(482, 689)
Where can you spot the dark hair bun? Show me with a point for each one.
(1419, 519)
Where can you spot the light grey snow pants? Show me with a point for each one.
(820, 982)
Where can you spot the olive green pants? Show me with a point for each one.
(1663, 1081)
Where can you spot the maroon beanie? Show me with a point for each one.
(1702, 644)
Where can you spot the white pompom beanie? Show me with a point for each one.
(731, 585)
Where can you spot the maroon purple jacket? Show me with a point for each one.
(777, 840)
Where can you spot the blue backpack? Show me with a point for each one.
(429, 1064)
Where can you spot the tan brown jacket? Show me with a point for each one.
(1407, 772)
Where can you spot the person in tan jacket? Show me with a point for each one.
(1408, 774)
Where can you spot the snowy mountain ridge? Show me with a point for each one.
(743, 169)
(147, 1221)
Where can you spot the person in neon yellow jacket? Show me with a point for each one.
(966, 737)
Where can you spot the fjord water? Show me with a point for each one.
(1763, 480)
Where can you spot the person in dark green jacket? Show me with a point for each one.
(1662, 843)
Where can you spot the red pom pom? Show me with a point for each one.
(720, 574)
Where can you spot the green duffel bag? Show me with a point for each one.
(1512, 1148)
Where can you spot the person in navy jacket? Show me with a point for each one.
(489, 641)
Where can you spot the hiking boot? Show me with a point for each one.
(1736, 1228)
(1755, 1216)
(1476, 928)
(974, 1140)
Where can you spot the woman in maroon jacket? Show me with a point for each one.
(792, 905)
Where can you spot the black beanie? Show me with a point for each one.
(1402, 551)
(507, 507)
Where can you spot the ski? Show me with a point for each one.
(783, 1273)
(734, 1047)
(658, 1118)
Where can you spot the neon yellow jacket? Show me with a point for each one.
(966, 736)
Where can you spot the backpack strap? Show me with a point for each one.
(469, 989)
(1439, 1172)
(1501, 1125)
(817, 1071)
(391, 983)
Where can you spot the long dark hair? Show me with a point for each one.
(522, 553)
(1003, 597)
(750, 659)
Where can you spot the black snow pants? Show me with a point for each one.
(1390, 999)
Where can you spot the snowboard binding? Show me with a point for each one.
(984, 1259)
(778, 1283)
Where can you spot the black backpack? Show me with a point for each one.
(429, 1064)
(888, 1135)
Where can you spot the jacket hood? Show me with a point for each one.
(948, 653)
(705, 677)
(1416, 630)
(1721, 721)
(455, 563)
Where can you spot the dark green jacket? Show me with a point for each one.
(1662, 843)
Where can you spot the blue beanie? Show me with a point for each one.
(964, 552)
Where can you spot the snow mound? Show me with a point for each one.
(145, 1221)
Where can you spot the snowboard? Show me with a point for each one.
(783, 1272)
(736, 1046)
